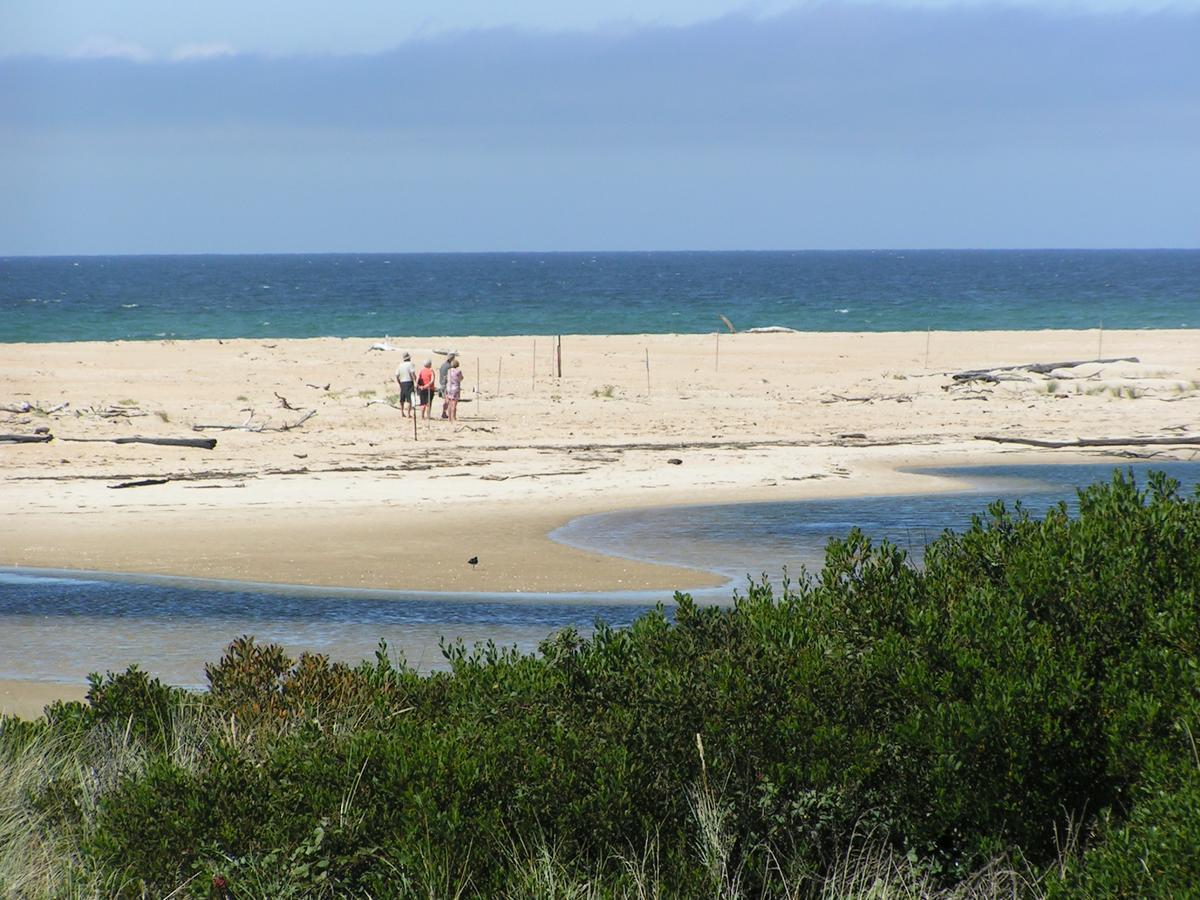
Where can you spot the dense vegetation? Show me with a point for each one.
(1017, 717)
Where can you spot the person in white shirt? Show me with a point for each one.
(406, 373)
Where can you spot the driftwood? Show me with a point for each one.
(24, 406)
(145, 482)
(199, 443)
(283, 401)
(286, 427)
(25, 438)
(1039, 368)
(838, 398)
(1092, 442)
(728, 324)
(249, 424)
(538, 474)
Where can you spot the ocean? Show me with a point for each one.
(108, 298)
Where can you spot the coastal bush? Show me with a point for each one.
(875, 728)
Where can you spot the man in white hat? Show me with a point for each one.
(406, 373)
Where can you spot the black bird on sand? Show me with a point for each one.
(473, 561)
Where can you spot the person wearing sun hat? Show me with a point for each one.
(406, 374)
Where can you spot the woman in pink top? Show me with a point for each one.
(453, 390)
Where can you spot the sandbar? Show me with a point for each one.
(352, 496)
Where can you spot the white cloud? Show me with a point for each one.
(214, 50)
(102, 46)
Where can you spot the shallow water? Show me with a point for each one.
(62, 628)
(744, 540)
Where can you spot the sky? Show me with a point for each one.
(371, 126)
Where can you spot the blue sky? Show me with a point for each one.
(143, 127)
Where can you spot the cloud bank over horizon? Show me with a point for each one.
(826, 126)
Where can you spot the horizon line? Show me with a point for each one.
(233, 253)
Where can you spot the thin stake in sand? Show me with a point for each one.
(647, 371)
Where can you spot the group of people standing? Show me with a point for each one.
(417, 386)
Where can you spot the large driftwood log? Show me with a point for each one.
(1092, 442)
(199, 443)
(25, 438)
(1039, 368)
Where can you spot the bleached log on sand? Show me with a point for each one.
(1133, 441)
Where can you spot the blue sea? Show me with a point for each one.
(370, 295)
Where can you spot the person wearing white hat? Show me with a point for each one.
(406, 374)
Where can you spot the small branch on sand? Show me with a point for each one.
(899, 398)
(319, 387)
(25, 438)
(1037, 368)
(248, 425)
(379, 402)
(283, 401)
(1134, 441)
(119, 412)
(145, 482)
(24, 406)
(304, 418)
(198, 443)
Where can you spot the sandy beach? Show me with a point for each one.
(350, 496)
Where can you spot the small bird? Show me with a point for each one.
(473, 561)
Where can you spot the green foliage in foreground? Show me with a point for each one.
(1016, 717)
